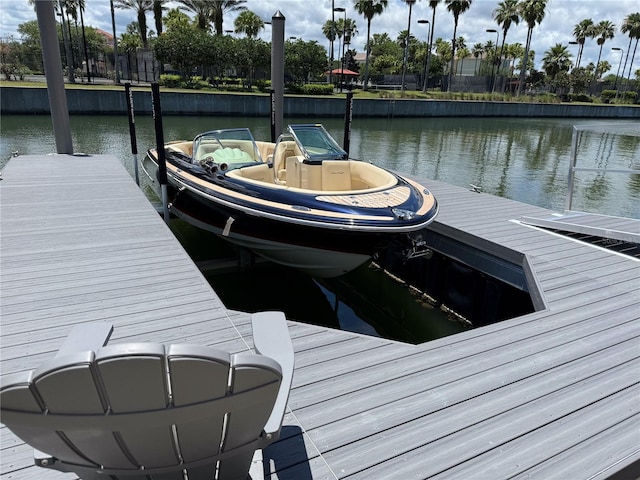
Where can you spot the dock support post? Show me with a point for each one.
(348, 117)
(277, 68)
(132, 130)
(54, 76)
(162, 166)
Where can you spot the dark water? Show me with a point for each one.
(523, 159)
(365, 301)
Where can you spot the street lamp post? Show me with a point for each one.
(426, 60)
(615, 85)
(344, 25)
(406, 44)
(493, 64)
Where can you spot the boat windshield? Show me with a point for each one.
(316, 144)
(228, 149)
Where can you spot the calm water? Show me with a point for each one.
(522, 159)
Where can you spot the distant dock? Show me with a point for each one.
(551, 394)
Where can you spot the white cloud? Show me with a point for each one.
(304, 19)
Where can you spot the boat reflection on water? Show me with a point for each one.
(365, 301)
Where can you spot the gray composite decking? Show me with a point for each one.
(552, 394)
(615, 228)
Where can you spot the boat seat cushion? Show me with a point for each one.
(284, 150)
(293, 171)
(336, 175)
(231, 156)
(260, 173)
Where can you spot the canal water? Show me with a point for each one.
(522, 159)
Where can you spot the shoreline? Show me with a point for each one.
(35, 101)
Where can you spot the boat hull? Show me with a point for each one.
(316, 262)
(328, 236)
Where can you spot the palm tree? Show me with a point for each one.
(158, 8)
(406, 46)
(432, 4)
(73, 7)
(583, 30)
(219, 7)
(505, 15)
(141, 8)
(345, 27)
(557, 59)
(369, 8)
(463, 52)
(202, 9)
(329, 30)
(443, 49)
(532, 12)
(604, 30)
(514, 51)
(477, 51)
(66, 38)
(248, 23)
(631, 25)
(456, 7)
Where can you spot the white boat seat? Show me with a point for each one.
(284, 150)
(293, 172)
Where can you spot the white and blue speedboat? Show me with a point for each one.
(300, 202)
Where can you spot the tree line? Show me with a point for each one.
(191, 39)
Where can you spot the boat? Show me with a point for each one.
(299, 201)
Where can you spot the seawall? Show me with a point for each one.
(34, 100)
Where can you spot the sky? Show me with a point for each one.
(304, 19)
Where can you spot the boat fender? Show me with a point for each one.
(227, 226)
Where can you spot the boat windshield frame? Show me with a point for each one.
(315, 143)
(235, 147)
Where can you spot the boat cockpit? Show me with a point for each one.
(306, 157)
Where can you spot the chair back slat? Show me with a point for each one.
(69, 385)
(245, 422)
(134, 377)
(18, 393)
(198, 374)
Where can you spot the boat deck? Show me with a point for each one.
(553, 394)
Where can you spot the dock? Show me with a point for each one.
(551, 394)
